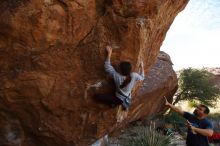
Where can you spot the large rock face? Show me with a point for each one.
(51, 64)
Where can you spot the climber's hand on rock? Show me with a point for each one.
(109, 49)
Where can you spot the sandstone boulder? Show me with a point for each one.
(51, 64)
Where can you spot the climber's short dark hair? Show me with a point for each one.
(125, 67)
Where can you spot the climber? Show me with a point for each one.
(124, 82)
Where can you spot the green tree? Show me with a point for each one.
(195, 84)
(175, 119)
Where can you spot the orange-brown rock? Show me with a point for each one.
(51, 64)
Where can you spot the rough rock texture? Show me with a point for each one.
(51, 64)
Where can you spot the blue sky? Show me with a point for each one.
(193, 39)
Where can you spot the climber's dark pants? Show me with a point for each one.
(108, 99)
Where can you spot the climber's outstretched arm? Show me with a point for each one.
(108, 67)
(109, 51)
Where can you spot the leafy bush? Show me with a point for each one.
(175, 119)
(148, 136)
